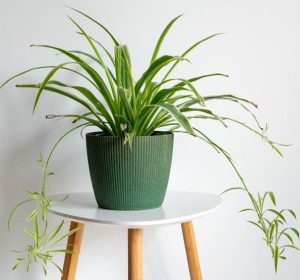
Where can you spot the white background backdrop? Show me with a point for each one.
(260, 53)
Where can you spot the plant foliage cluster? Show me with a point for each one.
(120, 105)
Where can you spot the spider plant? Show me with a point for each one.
(45, 242)
(119, 105)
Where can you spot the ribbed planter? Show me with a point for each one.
(129, 179)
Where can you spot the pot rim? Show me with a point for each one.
(156, 134)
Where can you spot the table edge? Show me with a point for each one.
(139, 224)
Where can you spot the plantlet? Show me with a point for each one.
(119, 105)
(45, 242)
(272, 223)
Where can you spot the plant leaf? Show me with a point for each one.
(98, 23)
(162, 37)
(275, 256)
(232, 189)
(176, 114)
(278, 214)
(272, 197)
(32, 215)
(14, 209)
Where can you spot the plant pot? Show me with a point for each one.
(125, 178)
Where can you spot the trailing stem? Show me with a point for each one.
(45, 242)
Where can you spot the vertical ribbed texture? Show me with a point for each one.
(129, 179)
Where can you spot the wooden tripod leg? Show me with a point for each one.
(74, 242)
(191, 250)
(135, 254)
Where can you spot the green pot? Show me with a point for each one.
(129, 179)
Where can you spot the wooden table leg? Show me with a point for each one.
(71, 260)
(191, 250)
(135, 254)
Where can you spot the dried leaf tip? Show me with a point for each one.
(254, 104)
(49, 117)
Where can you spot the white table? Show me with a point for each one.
(178, 208)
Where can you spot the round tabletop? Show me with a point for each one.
(178, 207)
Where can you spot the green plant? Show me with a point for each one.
(117, 104)
(271, 222)
(45, 241)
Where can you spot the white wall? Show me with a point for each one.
(261, 55)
